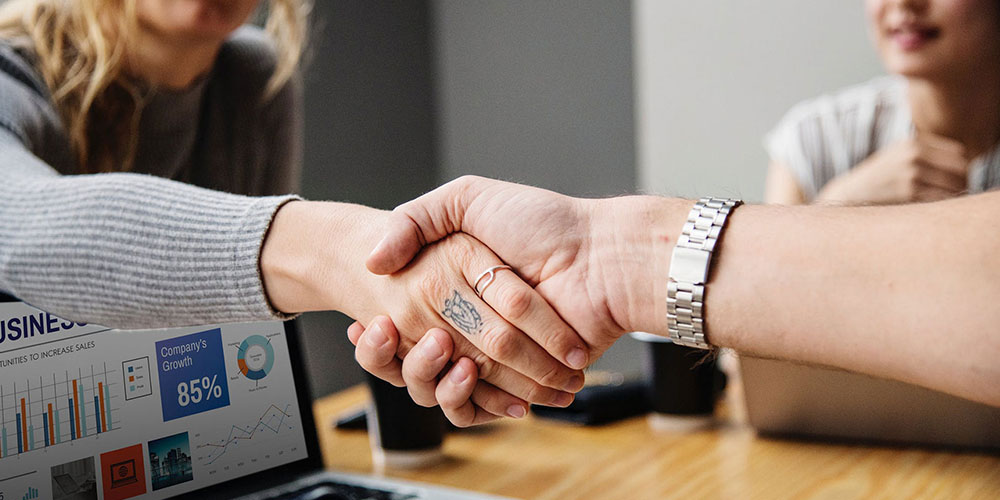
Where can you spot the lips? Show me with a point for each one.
(912, 37)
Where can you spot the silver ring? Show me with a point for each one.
(490, 274)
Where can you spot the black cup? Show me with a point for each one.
(403, 434)
(683, 384)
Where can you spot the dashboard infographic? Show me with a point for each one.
(88, 412)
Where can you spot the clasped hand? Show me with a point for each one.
(579, 257)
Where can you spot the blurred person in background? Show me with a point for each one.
(929, 131)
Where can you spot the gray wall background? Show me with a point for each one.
(713, 77)
(538, 92)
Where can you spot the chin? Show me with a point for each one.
(196, 19)
(914, 65)
(910, 69)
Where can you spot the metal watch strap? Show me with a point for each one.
(689, 265)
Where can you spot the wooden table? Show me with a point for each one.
(541, 459)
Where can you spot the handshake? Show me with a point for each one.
(568, 278)
(484, 296)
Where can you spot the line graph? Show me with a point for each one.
(272, 421)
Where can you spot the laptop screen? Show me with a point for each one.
(88, 412)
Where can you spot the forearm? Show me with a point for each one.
(905, 292)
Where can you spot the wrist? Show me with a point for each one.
(632, 239)
(313, 255)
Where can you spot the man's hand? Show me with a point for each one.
(578, 254)
(582, 256)
(600, 264)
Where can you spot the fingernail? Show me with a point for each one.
(562, 400)
(375, 336)
(516, 411)
(574, 384)
(432, 349)
(577, 358)
(459, 374)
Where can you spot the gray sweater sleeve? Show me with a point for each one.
(122, 250)
(129, 250)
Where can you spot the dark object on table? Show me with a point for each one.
(601, 404)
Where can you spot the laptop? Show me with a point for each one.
(215, 411)
(792, 399)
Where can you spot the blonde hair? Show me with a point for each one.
(80, 49)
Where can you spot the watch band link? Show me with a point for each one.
(689, 265)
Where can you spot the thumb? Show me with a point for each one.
(400, 244)
(419, 222)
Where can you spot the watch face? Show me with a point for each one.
(689, 265)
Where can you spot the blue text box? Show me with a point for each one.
(184, 364)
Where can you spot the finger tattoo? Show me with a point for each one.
(463, 314)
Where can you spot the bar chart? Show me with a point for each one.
(57, 408)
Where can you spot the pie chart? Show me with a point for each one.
(256, 357)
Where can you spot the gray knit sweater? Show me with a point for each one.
(175, 242)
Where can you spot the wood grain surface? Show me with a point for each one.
(541, 459)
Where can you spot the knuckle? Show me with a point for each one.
(460, 248)
(466, 181)
(500, 343)
(515, 301)
(431, 284)
(553, 376)
(487, 368)
(536, 393)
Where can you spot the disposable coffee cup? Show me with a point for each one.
(403, 434)
(682, 384)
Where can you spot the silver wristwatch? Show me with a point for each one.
(689, 266)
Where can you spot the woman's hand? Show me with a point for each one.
(426, 373)
(923, 168)
(313, 259)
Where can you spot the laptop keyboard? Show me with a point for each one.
(339, 491)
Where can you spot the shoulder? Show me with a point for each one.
(850, 105)
(244, 67)
(17, 62)
(850, 120)
(250, 53)
(26, 108)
